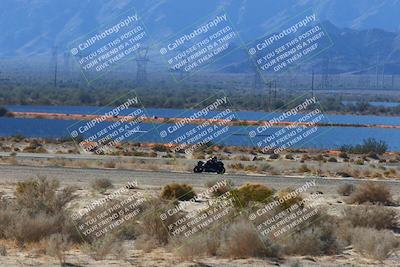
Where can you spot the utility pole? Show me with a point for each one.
(376, 71)
(312, 84)
(392, 81)
(269, 95)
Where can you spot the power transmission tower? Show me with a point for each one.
(257, 80)
(54, 63)
(67, 63)
(325, 74)
(3, 79)
(141, 60)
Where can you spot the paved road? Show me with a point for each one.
(158, 178)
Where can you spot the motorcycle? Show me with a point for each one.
(210, 166)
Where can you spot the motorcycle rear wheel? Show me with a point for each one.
(198, 169)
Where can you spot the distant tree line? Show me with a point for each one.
(34, 92)
(3, 111)
(369, 145)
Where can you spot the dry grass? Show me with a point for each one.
(109, 164)
(222, 189)
(317, 239)
(101, 184)
(289, 198)
(346, 189)
(181, 192)
(37, 212)
(374, 193)
(102, 247)
(375, 244)
(57, 246)
(3, 251)
(241, 240)
(146, 243)
(377, 217)
(151, 224)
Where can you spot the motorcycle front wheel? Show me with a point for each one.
(221, 171)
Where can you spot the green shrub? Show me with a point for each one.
(176, 191)
(253, 193)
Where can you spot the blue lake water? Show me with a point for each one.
(324, 137)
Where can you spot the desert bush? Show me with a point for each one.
(274, 156)
(146, 243)
(359, 162)
(237, 166)
(377, 217)
(318, 157)
(343, 155)
(374, 193)
(205, 244)
(102, 247)
(332, 159)
(241, 240)
(251, 168)
(242, 158)
(40, 195)
(263, 167)
(375, 244)
(253, 193)
(33, 228)
(109, 164)
(176, 191)
(101, 184)
(3, 250)
(373, 155)
(289, 198)
(7, 217)
(151, 225)
(316, 239)
(57, 246)
(289, 156)
(303, 168)
(160, 148)
(346, 189)
(222, 189)
(343, 174)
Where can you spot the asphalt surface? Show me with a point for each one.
(81, 176)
